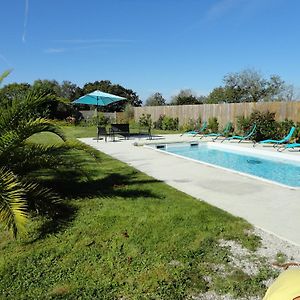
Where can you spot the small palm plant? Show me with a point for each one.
(18, 123)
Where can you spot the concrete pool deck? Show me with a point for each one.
(271, 207)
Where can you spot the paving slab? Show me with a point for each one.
(271, 207)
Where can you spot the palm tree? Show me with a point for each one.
(17, 124)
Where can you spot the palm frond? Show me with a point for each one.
(41, 199)
(38, 125)
(13, 207)
(4, 75)
(30, 157)
(24, 108)
(15, 138)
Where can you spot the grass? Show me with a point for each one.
(121, 234)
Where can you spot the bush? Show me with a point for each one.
(266, 126)
(166, 123)
(128, 113)
(169, 123)
(145, 121)
(284, 128)
(191, 125)
(213, 124)
(243, 124)
(158, 124)
(297, 132)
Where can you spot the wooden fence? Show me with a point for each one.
(223, 112)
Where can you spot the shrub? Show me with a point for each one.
(128, 113)
(192, 124)
(243, 124)
(145, 121)
(170, 123)
(297, 132)
(158, 124)
(266, 126)
(284, 128)
(213, 124)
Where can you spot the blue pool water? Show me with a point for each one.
(286, 172)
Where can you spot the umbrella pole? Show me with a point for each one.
(97, 121)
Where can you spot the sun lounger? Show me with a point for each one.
(246, 137)
(195, 132)
(223, 133)
(282, 141)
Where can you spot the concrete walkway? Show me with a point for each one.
(271, 207)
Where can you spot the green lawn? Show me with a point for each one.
(121, 234)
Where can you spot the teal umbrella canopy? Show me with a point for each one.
(98, 98)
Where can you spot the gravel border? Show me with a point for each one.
(271, 247)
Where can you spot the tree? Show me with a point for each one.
(69, 90)
(185, 97)
(12, 91)
(155, 99)
(249, 86)
(218, 95)
(46, 86)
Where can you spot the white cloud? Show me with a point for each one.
(81, 44)
(95, 41)
(25, 20)
(55, 50)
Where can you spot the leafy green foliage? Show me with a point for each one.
(266, 125)
(145, 121)
(4, 75)
(13, 206)
(213, 124)
(170, 123)
(166, 123)
(249, 86)
(191, 125)
(186, 97)
(155, 99)
(128, 113)
(19, 122)
(158, 124)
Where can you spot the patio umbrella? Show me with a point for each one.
(98, 98)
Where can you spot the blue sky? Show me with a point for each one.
(149, 45)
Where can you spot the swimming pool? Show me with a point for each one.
(275, 169)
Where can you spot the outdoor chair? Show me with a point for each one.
(101, 131)
(276, 143)
(225, 132)
(195, 132)
(246, 137)
(119, 129)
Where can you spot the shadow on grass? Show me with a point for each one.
(76, 183)
(64, 215)
(112, 185)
